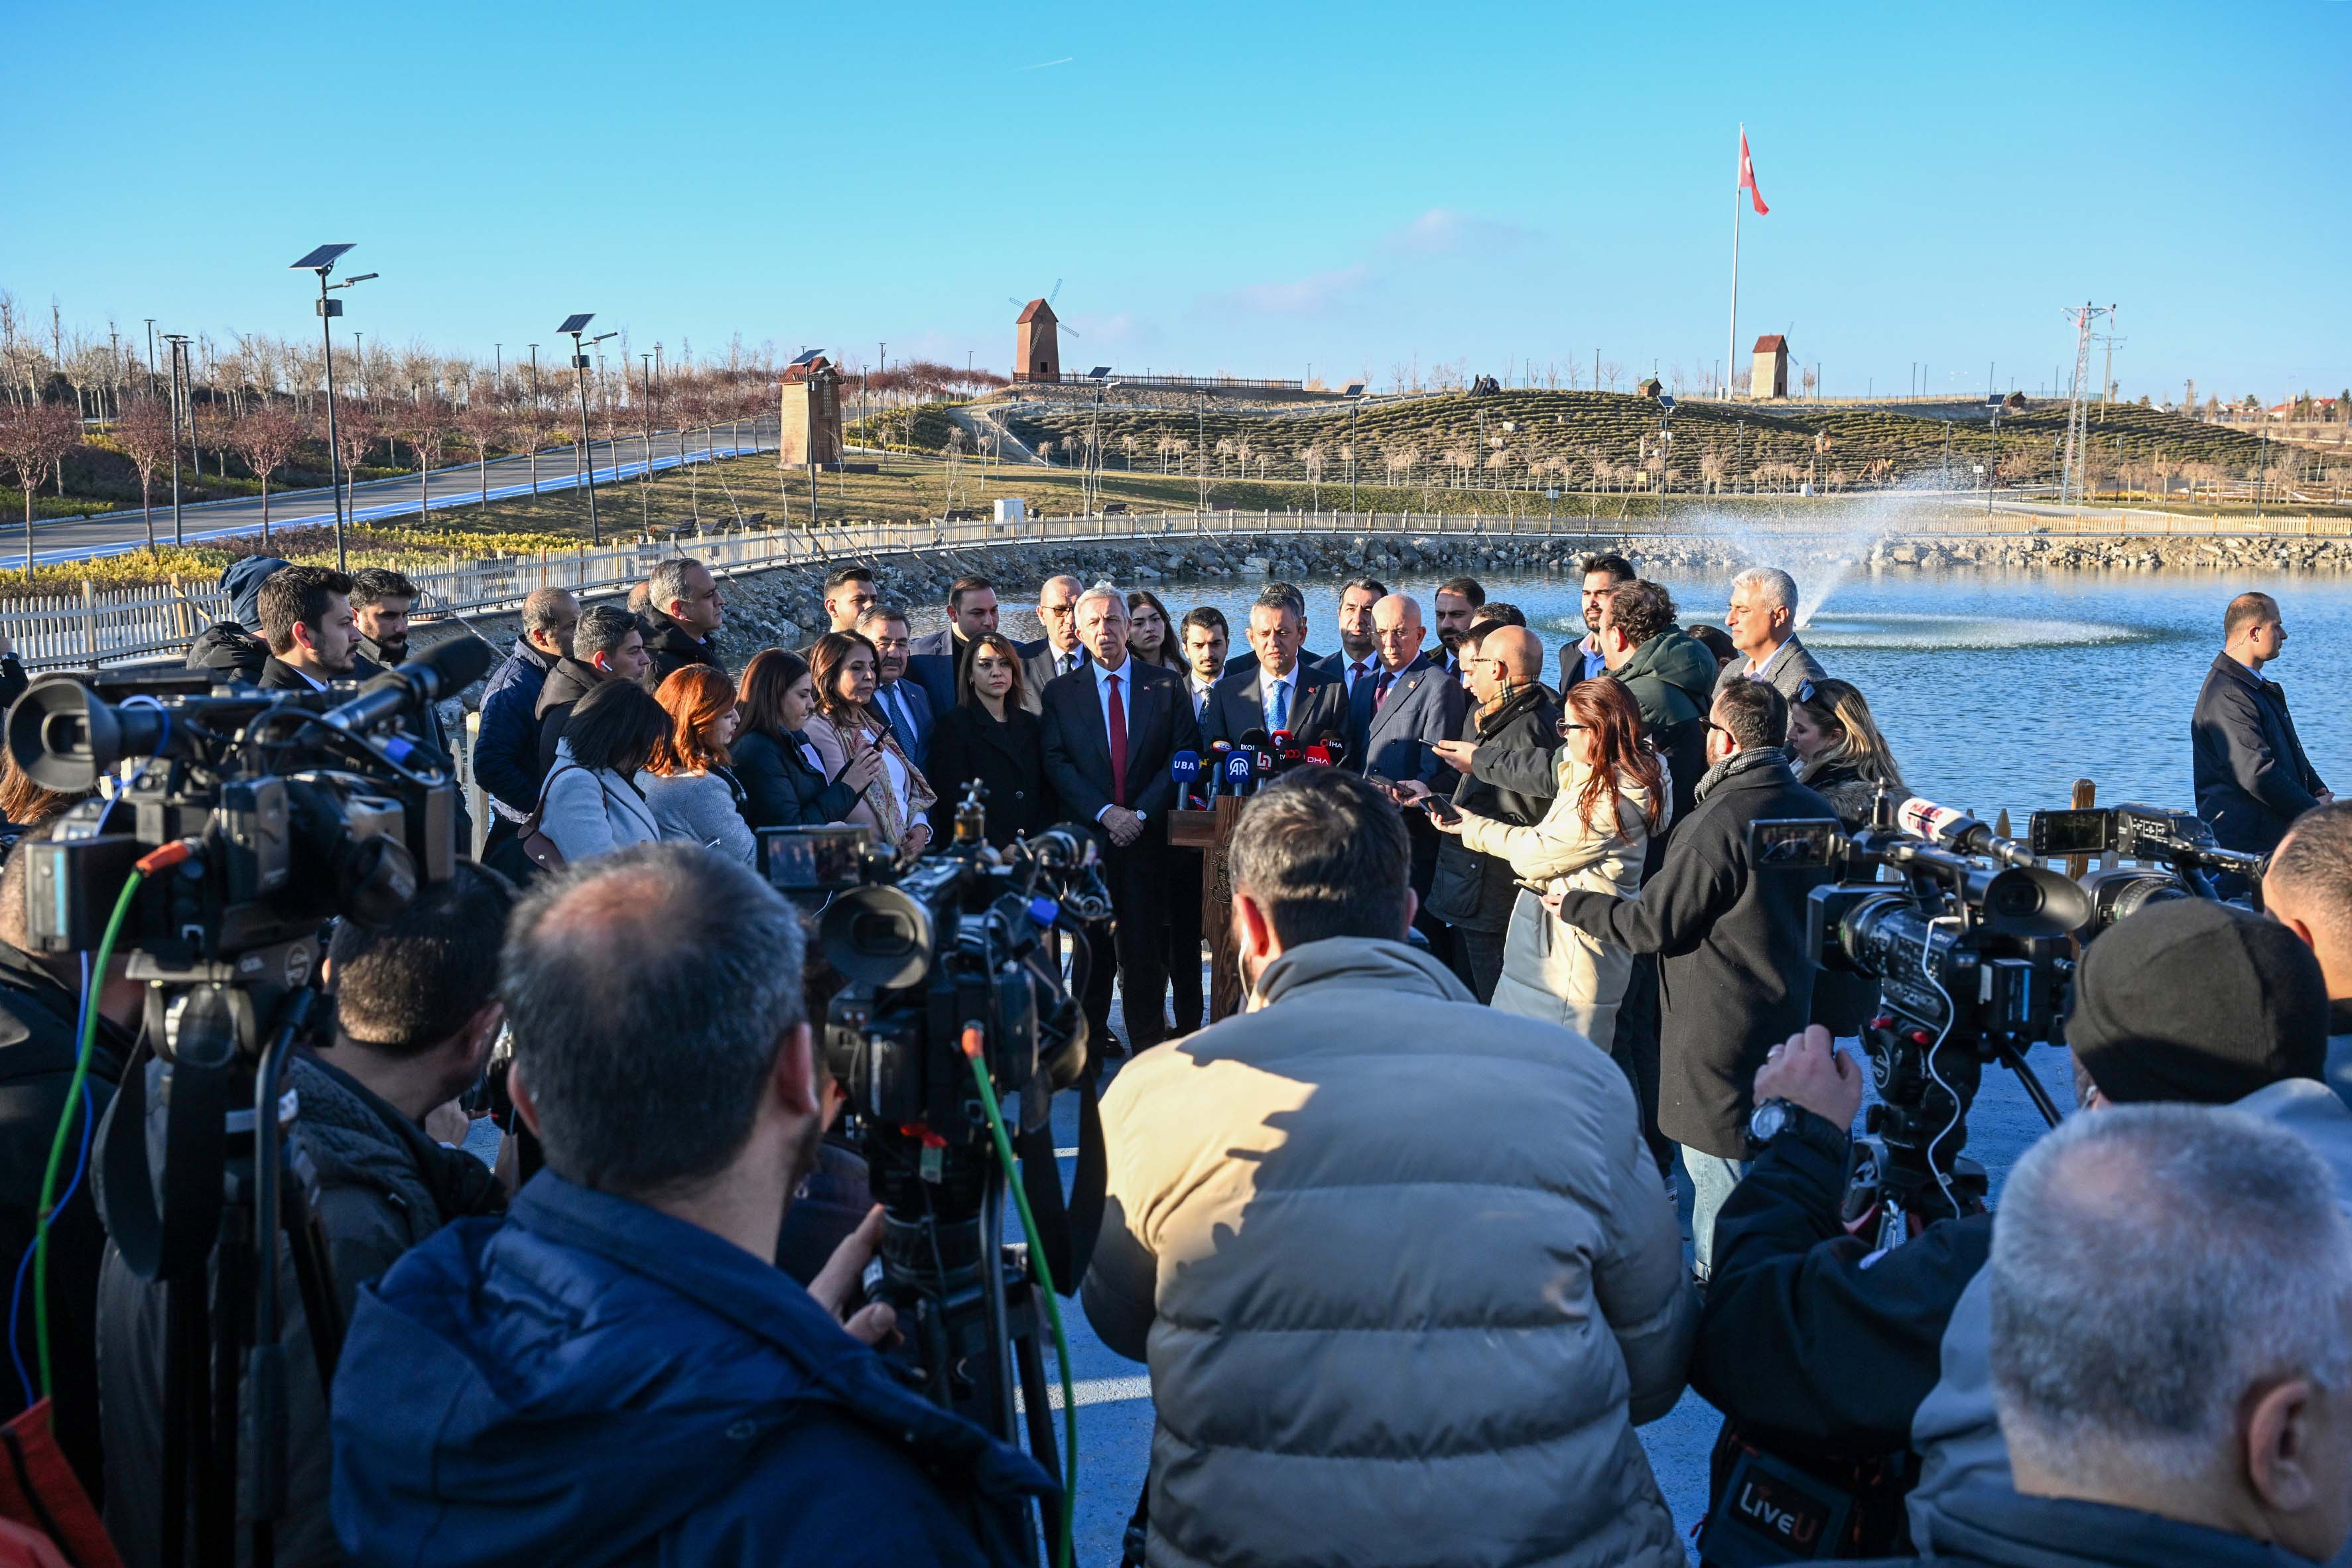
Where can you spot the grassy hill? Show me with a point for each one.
(1534, 439)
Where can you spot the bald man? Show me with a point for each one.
(2251, 776)
(1398, 718)
(1517, 723)
(1060, 653)
(2307, 887)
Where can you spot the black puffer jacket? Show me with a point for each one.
(226, 645)
(566, 684)
(1478, 891)
(672, 647)
(383, 1186)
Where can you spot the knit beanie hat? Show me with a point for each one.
(2194, 1001)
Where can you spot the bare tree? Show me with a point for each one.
(145, 432)
(1608, 369)
(427, 427)
(34, 439)
(357, 428)
(265, 439)
(481, 424)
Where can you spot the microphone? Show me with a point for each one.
(1241, 770)
(1254, 742)
(1957, 831)
(1285, 749)
(1335, 749)
(1185, 767)
(418, 684)
(1218, 751)
(1319, 754)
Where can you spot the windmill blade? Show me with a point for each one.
(1067, 330)
(1056, 293)
(1016, 304)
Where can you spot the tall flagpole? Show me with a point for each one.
(1731, 344)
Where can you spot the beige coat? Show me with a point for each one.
(1552, 970)
(1405, 1274)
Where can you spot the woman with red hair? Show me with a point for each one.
(689, 782)
(1613, 797)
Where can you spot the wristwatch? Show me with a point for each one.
(1776, 1116)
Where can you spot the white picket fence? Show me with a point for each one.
(110, 625)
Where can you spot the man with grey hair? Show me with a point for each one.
(1110, 730)
(1762, 620)
(506, 749)
(1060, 653)
(663, 1057)
(2171, 1350)
(606, 642)
(683, 610)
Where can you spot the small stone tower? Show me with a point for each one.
(1770, 378)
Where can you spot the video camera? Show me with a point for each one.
(250, 820)
(947, 964)
(1973, 962)
(2179, 840)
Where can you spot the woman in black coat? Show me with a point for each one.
(783, 786)
(990, 737)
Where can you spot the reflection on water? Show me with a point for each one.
(1998, 691)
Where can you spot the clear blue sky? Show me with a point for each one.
(1238, 189)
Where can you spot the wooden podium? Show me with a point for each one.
(1209, 831)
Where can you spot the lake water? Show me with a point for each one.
(1996, 691)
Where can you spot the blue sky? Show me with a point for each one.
(1245, 189)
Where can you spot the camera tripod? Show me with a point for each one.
(207, 1228)
(968, 1305)
(1909, 1169)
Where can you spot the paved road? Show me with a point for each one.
(73, 539)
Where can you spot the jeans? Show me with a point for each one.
(1712, 1178)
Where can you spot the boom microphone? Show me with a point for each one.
(1959, 832)
(413, 687)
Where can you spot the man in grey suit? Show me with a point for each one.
(1401, 715)
(1762, 621)
(1061, 653)
(1283, 692)
(903, 704)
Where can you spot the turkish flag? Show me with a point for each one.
(1748, 176)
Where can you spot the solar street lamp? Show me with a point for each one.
(323, 262)
(572, 327)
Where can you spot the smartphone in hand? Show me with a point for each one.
(1440, 808)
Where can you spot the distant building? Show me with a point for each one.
(1036, 344)
(1769, 377)
(810, 395)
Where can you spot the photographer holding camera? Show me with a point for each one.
(620, 1370)
(1813, 1345)
(1372, 1338)
(416, 1013)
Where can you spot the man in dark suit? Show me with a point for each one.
(1282, 691)
(1400, 717)
(2251, 776)
(683, 610)
(1245, 661)
(1582, 660)
(1359, 657)
(903, 705)
(940, 661)
(1111, 730)
(307, 620)
(1061, 653)
(1457, 599)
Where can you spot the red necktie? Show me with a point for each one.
(1118, 744)
(1381, 690)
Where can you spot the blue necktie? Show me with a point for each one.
(1279, 719)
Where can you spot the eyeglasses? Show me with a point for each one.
(1565, 727)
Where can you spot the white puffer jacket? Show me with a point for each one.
(1405, 1276)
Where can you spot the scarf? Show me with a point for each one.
(1738, 762)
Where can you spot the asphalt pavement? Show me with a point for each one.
(376, 500)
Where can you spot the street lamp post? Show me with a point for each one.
(646, 477)
(172, 341)
(572, 327)
(538, 412)
(323, 262)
